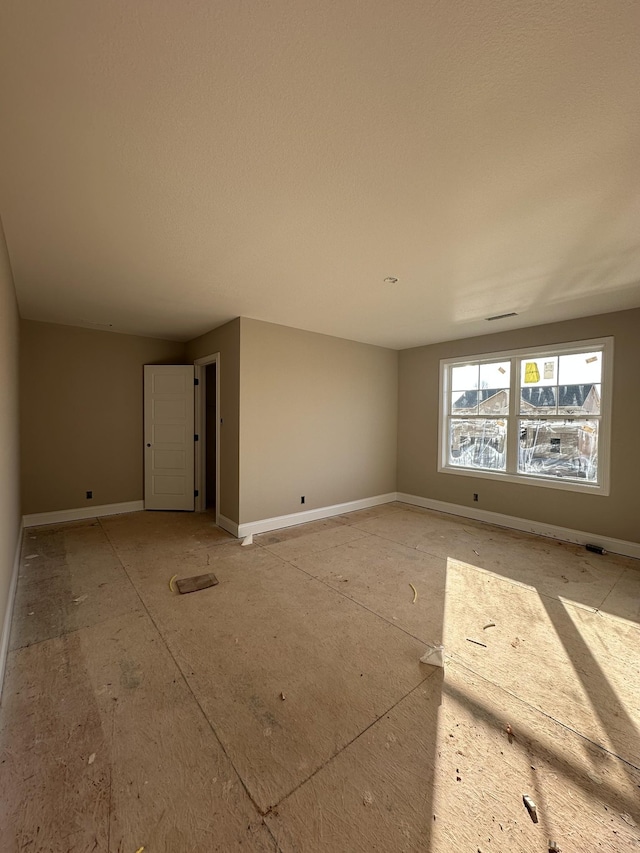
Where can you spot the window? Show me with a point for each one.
(539, 416)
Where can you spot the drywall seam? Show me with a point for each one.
(79, 513)
(551, 531)
(280, 521)
(8, 614)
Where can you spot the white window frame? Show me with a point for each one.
(511, 475)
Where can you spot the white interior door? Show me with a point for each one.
(168, 436)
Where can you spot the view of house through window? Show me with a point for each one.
(535, 414)
(479, 409)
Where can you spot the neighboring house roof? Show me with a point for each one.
(569, 396)
(539, 397)
(470, 399)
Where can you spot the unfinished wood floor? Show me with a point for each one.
(286, 708)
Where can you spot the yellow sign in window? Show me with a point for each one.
(531, 372)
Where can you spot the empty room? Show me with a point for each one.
(319, 427)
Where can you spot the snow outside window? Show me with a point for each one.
(540, 416)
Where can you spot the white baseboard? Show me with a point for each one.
(552, 531)
(228, 525)
(8, 613)
(280, 521)
(81, 512)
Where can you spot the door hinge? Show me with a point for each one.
(196, 438)
(196, 381)
(195, 493)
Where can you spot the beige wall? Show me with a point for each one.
(303, 414)
(226, 341)
(317, 418)
(615, 515)
(81, 414)
(9, 436)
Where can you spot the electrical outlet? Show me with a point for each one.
(475, 496)
(89, 495)
(302, 499)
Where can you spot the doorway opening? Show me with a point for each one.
(211, 416)
(207, 412)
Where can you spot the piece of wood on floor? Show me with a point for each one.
(196, 583)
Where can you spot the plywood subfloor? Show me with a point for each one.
(286, 708)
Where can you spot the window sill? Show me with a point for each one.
(528, 480)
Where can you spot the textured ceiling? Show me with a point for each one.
(166, 166)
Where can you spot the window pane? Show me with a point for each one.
(580, 368)
(540, 400)
(559, 448)
(495, 375)
(464, 377)
(579, 399)
(464, 403)
(487, 401)
(478, 443)
(537, 372)
(494, 401)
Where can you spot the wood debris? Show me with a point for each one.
(196, 583)
(531, 807)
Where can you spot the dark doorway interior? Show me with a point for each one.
(211, 416)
